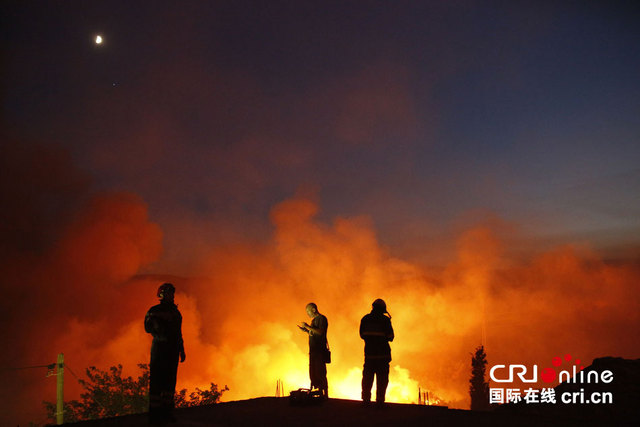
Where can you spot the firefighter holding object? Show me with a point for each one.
(319, 354)
(377, 332)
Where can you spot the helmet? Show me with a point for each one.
(164, 288)
(380, 304)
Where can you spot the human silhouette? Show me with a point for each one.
(318, 349)
(377, 332)
(164, 323)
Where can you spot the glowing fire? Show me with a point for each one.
(241, 309)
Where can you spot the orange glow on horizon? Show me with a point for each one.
(242, 304)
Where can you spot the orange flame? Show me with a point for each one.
(242, 303)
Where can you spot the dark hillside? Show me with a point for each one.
(272, 411)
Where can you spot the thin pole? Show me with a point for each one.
(60, 390)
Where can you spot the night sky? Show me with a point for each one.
(417, 114)
(418, 118)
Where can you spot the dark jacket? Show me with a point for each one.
(164, 323)
(318, 342)
(377, 332)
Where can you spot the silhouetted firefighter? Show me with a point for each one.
(478, 388)
(377, 332)
(164, 322)
(319, 354)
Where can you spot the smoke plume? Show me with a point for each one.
(84, 291)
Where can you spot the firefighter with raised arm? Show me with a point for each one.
(164, 322)
(377, 332)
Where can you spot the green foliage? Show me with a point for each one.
(199, 397)
(479, 388)
(108, 394)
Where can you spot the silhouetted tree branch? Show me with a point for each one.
(199, 397)
(108, 394)
(479, 388)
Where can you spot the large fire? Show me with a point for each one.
(241, 306)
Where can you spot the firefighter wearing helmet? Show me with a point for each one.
(377, 332)
(164, 322)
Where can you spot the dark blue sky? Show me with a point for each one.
(421, 115)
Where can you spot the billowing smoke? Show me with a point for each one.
(85, 288)
(199, 136)
(240, 312)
